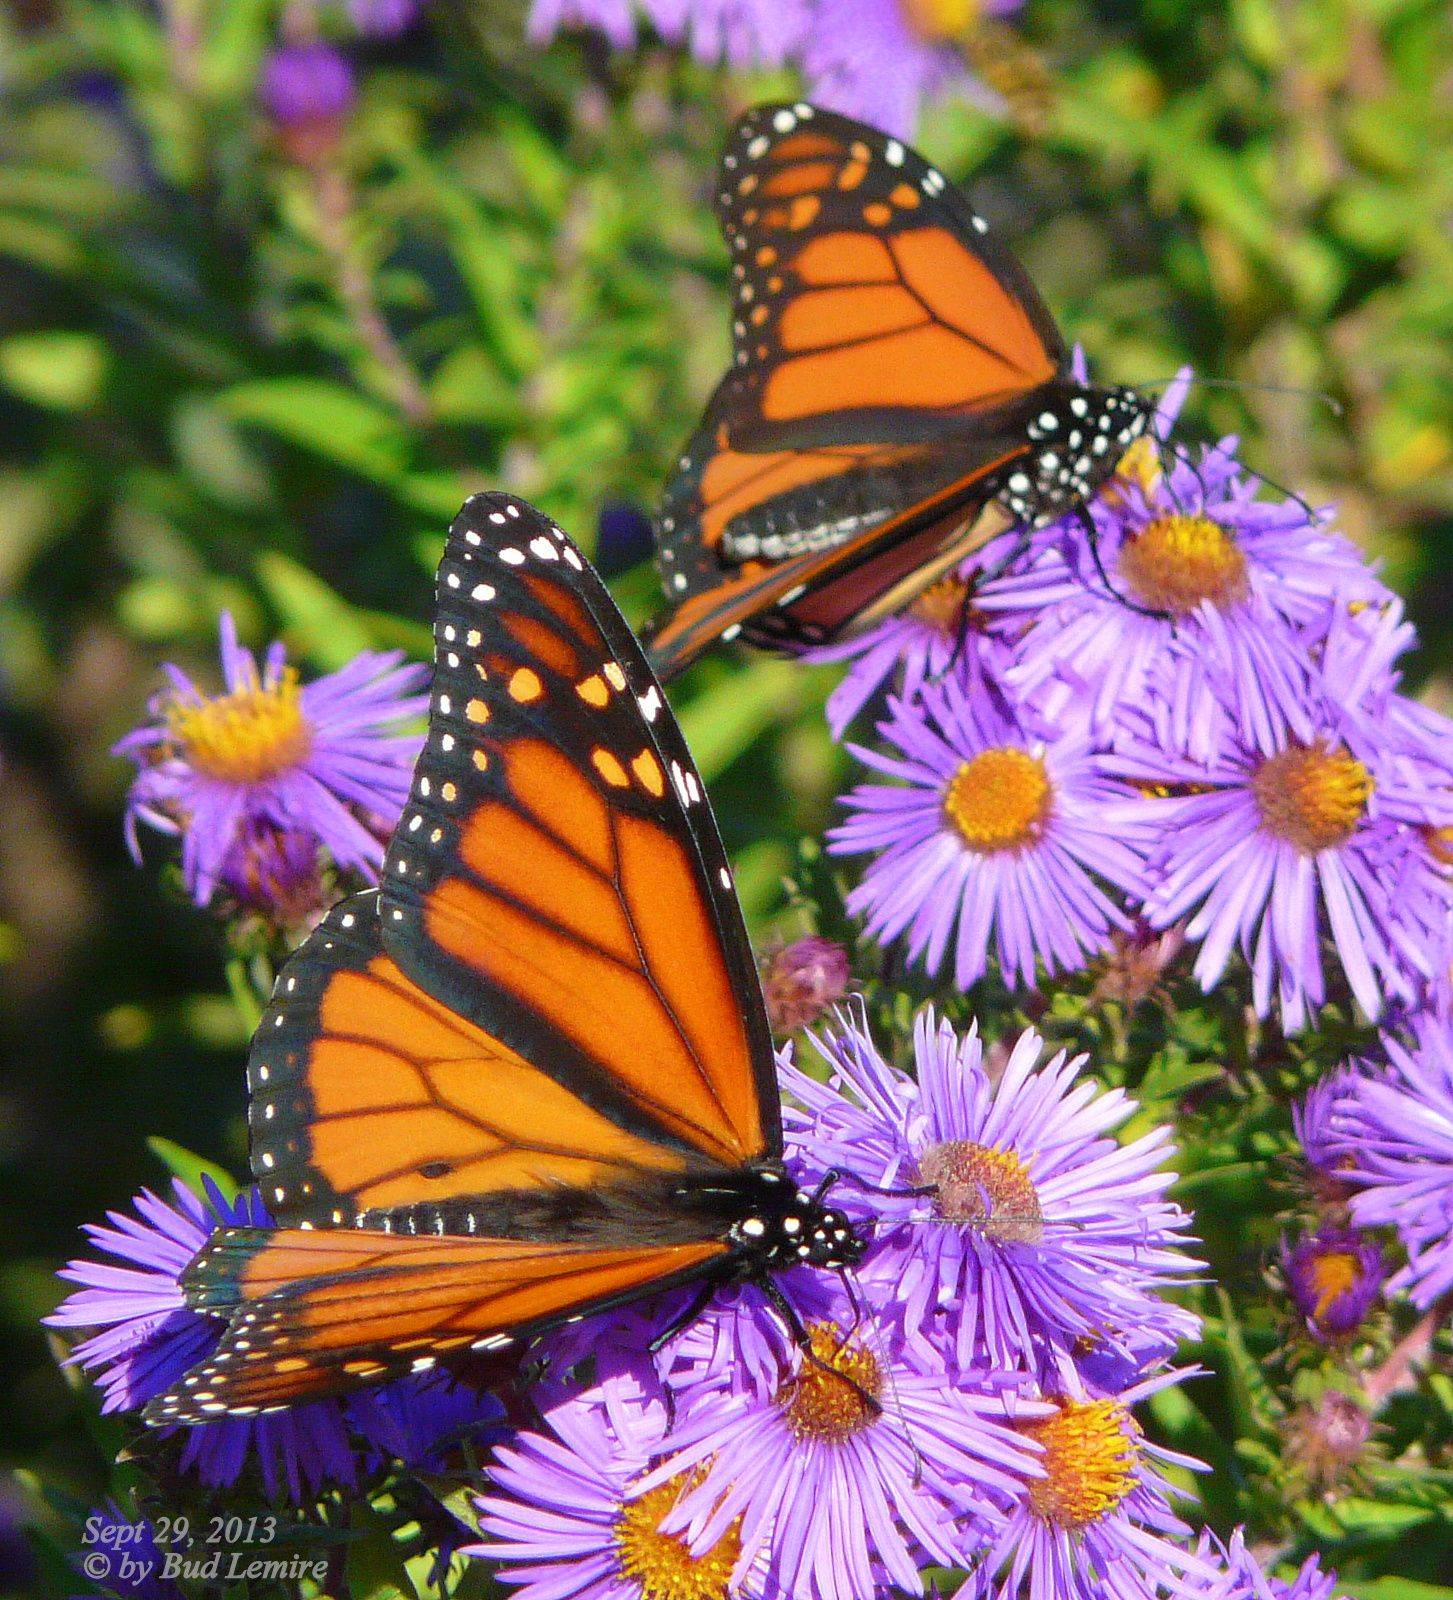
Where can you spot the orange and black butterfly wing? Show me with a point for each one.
(873, 304)
(502, 1091)
(557, 879)
(887, 352)
(370, 1099)
(314, 1312)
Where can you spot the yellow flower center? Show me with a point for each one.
(938, 21)
(1177, 562)
(1440, 845)
(662, 1564)
(943, 605)
(999, 800)
(1313, 796)
(1332, 1275)
(834, 1395)
(246, 736)
(984, 1188)
(1139, 465)
(1090, 1456)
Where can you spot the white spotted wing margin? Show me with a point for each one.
(281, 1113)
(530, 646)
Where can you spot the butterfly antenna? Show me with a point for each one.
(879, 1351)
(1332, 403)
(1312, 514)
(864, 1187)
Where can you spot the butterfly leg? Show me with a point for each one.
(681, 1322)
(914, 1192)
(1092, 536)
(803, 1340)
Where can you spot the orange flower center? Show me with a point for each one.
(1313, 796)
(999, 800)
(1091, 1451)
(834, 1395)
(940, 21)
(662, 1564)
(1177, 562)
(943, 605)
(1332, 1275)
(984, 1188)
(246, 736)
(1440, 845)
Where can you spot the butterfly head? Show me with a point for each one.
(1076, 434)
(787, 1226)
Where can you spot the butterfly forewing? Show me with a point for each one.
(873, 303)
(370, 1097)
(885, 347)
(531, 1077)
(557, 878)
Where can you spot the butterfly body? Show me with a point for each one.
(531, 1076)
(899, 394)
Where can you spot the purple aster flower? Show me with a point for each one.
(277, 874)
(306, 84)
(802, 979)
(1321, 1122)
(383, 19)
(123, 1558)
(271, 753)
(1098, 1524)
(1266, 848)
(844, 1472)
(616, 19)
(944, 630)
(1326, 1439)
(147, 1338)
(565, 1513)
(743, 33)
(1235, 1574)
(1333, 1276)
(880, 60)
(1043, 1237)
(1211, 592)
(987, 834)
(1401, 1135)
(420, 1421)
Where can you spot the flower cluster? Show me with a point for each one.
(1177, 722)
(965, 1399)
(1184, 715)
(878, 60)
(272, 778)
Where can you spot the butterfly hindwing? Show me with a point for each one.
(557, 878)
(316, 1312)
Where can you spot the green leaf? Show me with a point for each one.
(190, 1167)
(319, 623)
(1392, 1589)
(327, 420)
(60, 370)
(725, 721)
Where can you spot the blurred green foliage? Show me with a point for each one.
(228, 379)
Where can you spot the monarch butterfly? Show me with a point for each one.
(899, 395)
(531, 1076)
